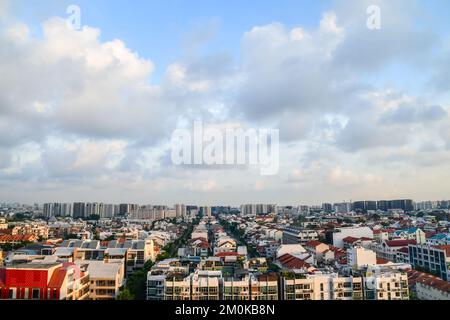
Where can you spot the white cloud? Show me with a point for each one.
(76, 109)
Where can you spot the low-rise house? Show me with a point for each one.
(322, 252)
(380, 235)
(291, 249)
(258, 265)
(224, 244)
(439, 239)
(302, 263)
(267, 249)
(350, 242)
(428, 287)
(338, 235)
(17, 239)
(199, 247)
(411, 234)
(3, 224)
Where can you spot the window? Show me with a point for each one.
(36, 293)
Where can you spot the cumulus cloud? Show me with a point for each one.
(409, 114)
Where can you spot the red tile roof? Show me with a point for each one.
(313, 243)
(415, 277)
(227, 254)
(58, 277)
(291, 262)
(338, 252)
(404, 250)
(350, 240)
(198, 239)
(382, 261)
(399, 243)
(18, 238)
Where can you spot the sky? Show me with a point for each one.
(87, 114)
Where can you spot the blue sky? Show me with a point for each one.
(159, 30)
(362, 114)
(165, 31)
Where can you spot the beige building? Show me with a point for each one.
(38, 230)
(264, 287)
(3, 224)
(106, 279)
(385, 283)
(321, 287)
(236, 289)
(359, 257)
(377, 284)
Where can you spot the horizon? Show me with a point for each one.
(171, 206)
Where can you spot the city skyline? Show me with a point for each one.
(87, 113)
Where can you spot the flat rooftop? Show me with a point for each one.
(36, 265)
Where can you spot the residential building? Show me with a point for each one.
(435, 259)
(411, 234)
(359, 257)
(428, 287)
(388, 249)
(106, 279)
(295, 235)
(3, 224)
(44, 281)
(338, 235)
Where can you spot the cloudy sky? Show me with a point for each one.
(87, 115)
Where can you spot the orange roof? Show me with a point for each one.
(227, 254)
(382, 261)
(350, 239)
(313, 243)
(400, 243)
(415, 277)
(17, 238)
(404, 250)
(291, 262)
(58, 277)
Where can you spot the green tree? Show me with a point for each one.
(125, 295)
